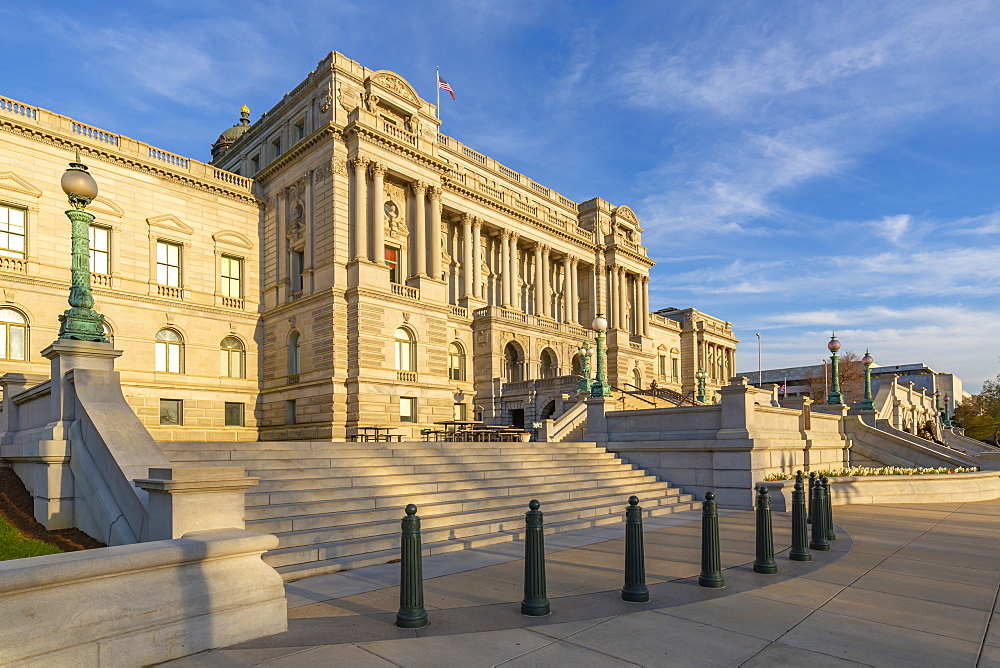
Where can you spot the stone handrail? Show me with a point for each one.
(566, 424)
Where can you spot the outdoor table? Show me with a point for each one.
(375, 433)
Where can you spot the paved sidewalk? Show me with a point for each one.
(917, 587)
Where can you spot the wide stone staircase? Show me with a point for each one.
(336, 506)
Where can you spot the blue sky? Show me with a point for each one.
(798, 167)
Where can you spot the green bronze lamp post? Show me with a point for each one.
(80, 321)
(584, 367)
(937, 406)
(600, 386)
(947, 413)
(701, 376)
(868, 404)
(835, 397)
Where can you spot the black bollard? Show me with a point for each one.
(819, 541)
(535, 603)
(812, 489)
(635, 590)
(764, 563)
(711, 559)
(411, 613)
(800, 532)
(830, 533)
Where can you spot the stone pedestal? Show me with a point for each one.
(195, 499)
(597, 422)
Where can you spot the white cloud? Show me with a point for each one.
(892, 227)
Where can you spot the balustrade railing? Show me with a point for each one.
(15, 107)
(405, 291)
(94, 133)
(407, 376)
(13, 264)
(169, 291)
(100, 280)
(460, 311)
(233, 302)
(169, 158)
(399, 133)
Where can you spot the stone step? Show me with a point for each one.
(379, 498)
(471, 489)
(356, 452)
(443, 517)
(485, 470)
(273, 459)
(315, 563)
(359, 467)
(301, 446)
(445, 481)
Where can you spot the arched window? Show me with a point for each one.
(13, 335)
(513, 363)
(548, 366)
(169, 351)
(406, 353)
(456, 362)
(294, 354)
(106, 328)
(578, 365)
(231, 358)
(636, 378)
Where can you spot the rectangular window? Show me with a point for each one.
(234, 414)
(100, 249)
(298, 267)
(232, 277)
(300, 130)
(11, 232)
(392, 260)
(459, 411)
(276, 146)
(255, 164)
(289, 411)
(407, 409)
(661, 366)
(168, 264)
(674, 368)
(171, 411)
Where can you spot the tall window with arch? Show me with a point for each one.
(169, 351)
(406, 350)
(547, 364)
(456, 361)
(637, 378)
(231, 357)
(514, 363)
(294, 353)
(13, 335)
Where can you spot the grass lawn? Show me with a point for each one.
(15, 546)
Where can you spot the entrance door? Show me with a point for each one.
(517, 417)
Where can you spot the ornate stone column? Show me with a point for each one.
(546, 281)
(434, 243)
(613, 301)
(623, 296)
(477, 259)
(467, 267)
(567, 287)
(515, 281)
(505, 263)
(360, 196)
(418, 235)
(539, 278)
(573, 315)
(376, 236)
(644, 319)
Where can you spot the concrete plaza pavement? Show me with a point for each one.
(907, 584)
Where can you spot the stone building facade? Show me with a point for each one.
(357, 266)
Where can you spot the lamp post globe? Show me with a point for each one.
(835, 398)
(80, 322)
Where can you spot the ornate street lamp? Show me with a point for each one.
(701, 376)
(80, 321)
(868, 404)
(835, 397)
(947, 413)
(600, 386)
(937, 405)
(584, 367)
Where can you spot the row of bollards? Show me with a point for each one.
(818, 513)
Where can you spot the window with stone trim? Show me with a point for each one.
(12, 232)
(100, 249)
(168, 264)
(294, 353)
(392, 261)
(456, 362)
(232, 277)
(169, 351)
(407, 409)
(13, 335)
(231, 356)
(171, 412)
(234, 414)
(406, 350)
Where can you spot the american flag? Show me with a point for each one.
(446, 86)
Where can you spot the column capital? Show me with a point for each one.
(378, 169)
(360, 162)
(545, 248)
(418, 187)
(468, 219)
(505, 234)
(434, 192)
(477, 224)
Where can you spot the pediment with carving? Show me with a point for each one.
(13, 182)
(170, 223)
(395, 84)
(107, 207)
(231, 238)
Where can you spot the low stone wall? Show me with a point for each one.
(931, 488)
(134, 605)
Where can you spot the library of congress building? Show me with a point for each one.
(339, 263)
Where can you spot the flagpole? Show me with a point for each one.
(437, 85)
